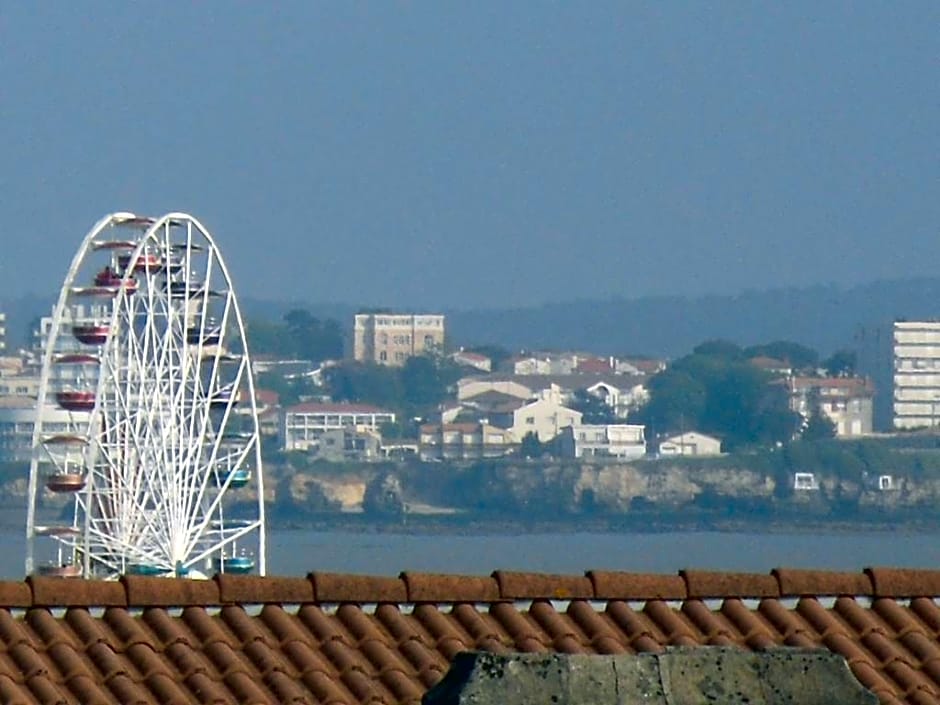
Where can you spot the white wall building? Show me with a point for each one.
(544, 418)
(17, 419)
(690, 443)
(916, 374)
(302, 425)
(623, 441)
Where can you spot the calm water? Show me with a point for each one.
(297, 552)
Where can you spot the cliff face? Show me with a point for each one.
(546, 490)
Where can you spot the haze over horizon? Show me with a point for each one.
(480, 156)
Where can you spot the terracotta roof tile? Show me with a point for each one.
(524, 635)
(359, 639)
(429, 587)
(705, 584)
(797, 583)
(335, 587)
(521, 586)
(636, 586)
(250, 588)
(898, 582)
(564, 635)
(598, 633)
(637, 628)
(55, 592)
(15, 594)
(144, 591)
(449, 638)
(676, 629)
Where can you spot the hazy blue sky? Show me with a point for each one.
(480, 153)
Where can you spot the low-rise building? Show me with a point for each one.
(623, 441)
(463, 441)
(478, 361)
(18, 418)
(303, 424)
(341, 444)
(846, 401)
(543, 417)
(690, 443)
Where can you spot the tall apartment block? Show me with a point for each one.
(916, 374)
(3, 333)
(391, 338)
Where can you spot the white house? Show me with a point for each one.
(542, 417)
(472, 359)
(621, 398)
(303, 424)
(690, 443)
(624, 441)
(473, 386)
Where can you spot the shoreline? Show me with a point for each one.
(643, 525)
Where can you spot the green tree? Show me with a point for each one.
(798, 356)
(267, 338)
(594, 410)
(312, 339)
(368, 383)
(842, 363)
(818, 426)
(422, 381)
(531, 446)
(719, 348)
(677, 401)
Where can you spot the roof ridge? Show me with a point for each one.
(499, 586)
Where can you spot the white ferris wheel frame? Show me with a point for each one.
(150, 500)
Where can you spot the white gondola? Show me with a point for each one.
(138, 438)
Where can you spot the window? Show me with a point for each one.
(383, 356)
(805, 481)
(530, 420)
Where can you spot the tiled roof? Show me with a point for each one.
(336, 638)
(850, 385)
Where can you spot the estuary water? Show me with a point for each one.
(298, 551)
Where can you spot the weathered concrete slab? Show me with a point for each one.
(682, 676)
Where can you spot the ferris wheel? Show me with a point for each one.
(146, 445)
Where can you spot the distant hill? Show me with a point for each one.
(823, 317)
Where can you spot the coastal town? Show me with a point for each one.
(392, 390)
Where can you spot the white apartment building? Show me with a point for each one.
(302, 425)
(916, 401)
(623, 441)
(17, 419)
(391, 338)
(3, 332)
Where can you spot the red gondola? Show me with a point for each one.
(107, 277)
(76, 359)
(146, 262)
(91, 333)
(65, 482)
(74, 400)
